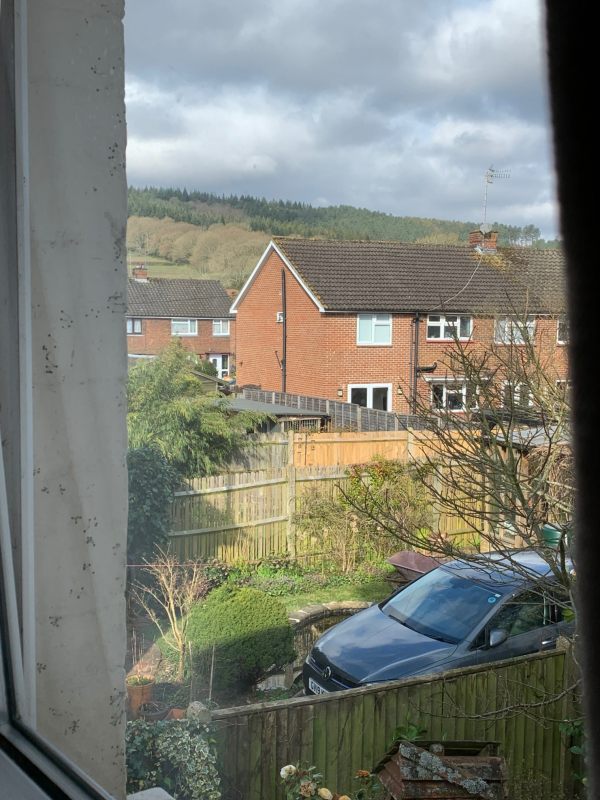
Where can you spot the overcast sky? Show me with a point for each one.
(392, 105)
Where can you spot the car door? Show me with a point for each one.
(533, 620)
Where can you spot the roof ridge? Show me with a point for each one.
(457, 245)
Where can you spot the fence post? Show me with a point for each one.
(359, 418)
(291, 498)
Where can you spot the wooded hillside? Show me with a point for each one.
(197, 234)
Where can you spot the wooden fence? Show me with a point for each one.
(245, 516)
(307, 449)
(345, 416)
(517, 703)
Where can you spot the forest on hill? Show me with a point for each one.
(182, 233)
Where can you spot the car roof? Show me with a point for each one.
(511, 568)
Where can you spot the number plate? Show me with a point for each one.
(315, 687)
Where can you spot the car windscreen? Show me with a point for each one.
(442, 605)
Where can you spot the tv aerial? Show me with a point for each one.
(490, 176)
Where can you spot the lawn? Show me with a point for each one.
(372, 590)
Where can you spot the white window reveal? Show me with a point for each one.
(447, 327)
(184, 327)
(374, 329)
(451, 396)
(562, 331)
(220, 327)
(510, 330)
(134, 326)
(221, 363)
(371, 395)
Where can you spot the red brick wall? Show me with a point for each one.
(156, 335)
(322, 354)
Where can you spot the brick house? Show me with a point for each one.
(194, 311)
(369, 322)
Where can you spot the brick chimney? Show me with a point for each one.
(484, 242)
(140, 273)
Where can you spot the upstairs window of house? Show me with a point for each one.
(374, 329)
(446, 327)
(510, 330)
(184, 327)
(220, 327)
(134, 326)
(562, 331)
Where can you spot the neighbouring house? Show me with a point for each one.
(194, 311)
(369, 322)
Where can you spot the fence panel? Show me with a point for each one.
(343, 732)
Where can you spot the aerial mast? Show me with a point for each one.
(490, 176)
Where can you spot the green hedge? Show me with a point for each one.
(250, 633)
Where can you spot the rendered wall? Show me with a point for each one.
(78, 217)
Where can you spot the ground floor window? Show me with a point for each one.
(371, 395)
(450, 396)
(221, 362)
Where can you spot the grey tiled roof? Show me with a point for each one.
(177, 298)
(400, 276)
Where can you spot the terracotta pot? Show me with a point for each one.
(176, 713)
(138, 694)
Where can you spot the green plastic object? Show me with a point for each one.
(551, 535)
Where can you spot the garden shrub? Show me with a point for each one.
(176, 755)
(250, 632)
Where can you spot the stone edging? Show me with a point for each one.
(312, 613)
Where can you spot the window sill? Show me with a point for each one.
(446, 341)
(371, 344)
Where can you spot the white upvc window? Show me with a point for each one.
(134, 326)
(447, 327)
(511, 330)
(452, 395)
(220, 327)
(517, 395)
(371, 395)
(562, 331)
(374, 329)
(184, 327)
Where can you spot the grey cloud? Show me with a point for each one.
(397, 106)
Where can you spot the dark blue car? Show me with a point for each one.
(459, 614)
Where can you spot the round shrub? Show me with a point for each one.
(250, 632)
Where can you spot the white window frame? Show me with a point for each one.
(448, 385)
(377, 321)
(135, 323)
(192, 326)
(220, 327)
(218, 359)
(562, 321)
(514, 332)
(447, 323)
(369, 387)
(517, 390)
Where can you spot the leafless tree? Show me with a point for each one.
(168, 598)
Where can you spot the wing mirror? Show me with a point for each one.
(497, 637)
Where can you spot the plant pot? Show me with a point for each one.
(177, 713)
(138, 694)
(154, 710)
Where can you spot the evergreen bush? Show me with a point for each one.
(250, 633)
